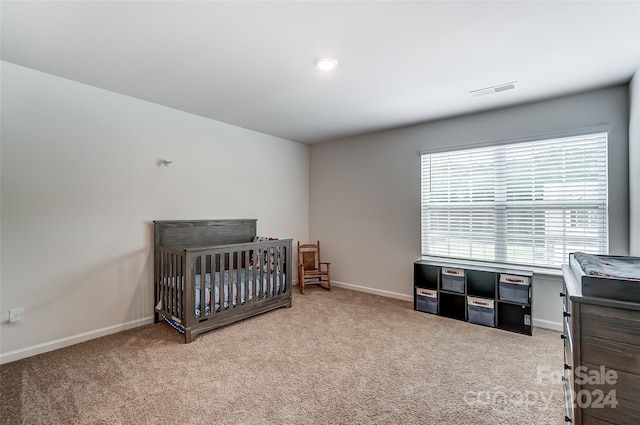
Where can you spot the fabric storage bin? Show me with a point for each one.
(452, 280)
(427, 300)
(481, 311)
(514, 288)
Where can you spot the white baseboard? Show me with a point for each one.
(71, 340)
(374, 291)
(547, 324)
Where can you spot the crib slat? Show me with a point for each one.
(252, 266)
(232, 287)
(229, 279)
(165, 292)
(229, 272)
(174, 286)
(165, 271)
(160, 294)
(212, 290)
(214, 262)
(201, 262)
(167, 285)
(272, 272)
(224, 293)
(218, 271)
(245, 282)
(267, 273)
(276, 271)
(189, 291)
(257, 276)
(180, 288)
(157, 275)
(227, 286)
(284, 269)
(167, 289)
(280, 267)
(233, 258)
(261, 274)
(239, 285)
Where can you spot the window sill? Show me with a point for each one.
(491, 266)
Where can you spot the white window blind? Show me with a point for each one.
(529, 203)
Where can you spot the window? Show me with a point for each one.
(529, 203)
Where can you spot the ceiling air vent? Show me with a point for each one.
(494, 89)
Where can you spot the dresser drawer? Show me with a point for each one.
(625, 413)
(611, 324)
(612, 354)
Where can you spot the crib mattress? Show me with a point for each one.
(607, 276)
(272, 284)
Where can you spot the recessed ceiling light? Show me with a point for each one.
(326, 64)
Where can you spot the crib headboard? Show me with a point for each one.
(196, 233)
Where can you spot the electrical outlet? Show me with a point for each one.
(527, 320)
(16, 316)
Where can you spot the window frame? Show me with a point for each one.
(500, 237)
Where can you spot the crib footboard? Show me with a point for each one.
(200, 289)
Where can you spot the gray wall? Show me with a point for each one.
(81, 186)
(634, 165)
(365, 191)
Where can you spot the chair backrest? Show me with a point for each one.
(309, 255)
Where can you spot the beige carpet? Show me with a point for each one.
(340, 357)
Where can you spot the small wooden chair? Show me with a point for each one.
(311, 269)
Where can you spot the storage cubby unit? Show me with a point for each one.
(490, 296)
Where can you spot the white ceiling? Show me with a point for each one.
(400, 62)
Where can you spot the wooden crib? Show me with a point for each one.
(211, 273)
